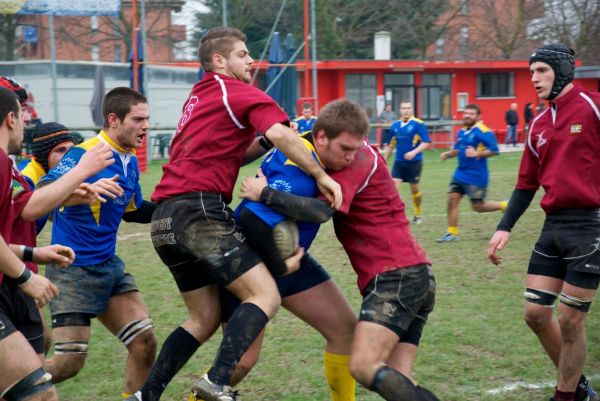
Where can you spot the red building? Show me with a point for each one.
(437, 89)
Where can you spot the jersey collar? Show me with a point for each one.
(103, 136)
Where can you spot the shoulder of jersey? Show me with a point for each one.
(417, 120)
(483, 128)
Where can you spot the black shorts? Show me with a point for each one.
(400, 300)
(407, 171)
(18, 312)
(310, 274)
(568, 248)
(195, 235)
(475, 193)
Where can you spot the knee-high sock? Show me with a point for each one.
(177, 349)
(416, 198)
(245, 324)
(337, 373)
(394, 386)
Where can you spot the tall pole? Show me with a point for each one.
(306, 51)
(313, 34)
(224, 12)
(136, 80)
(53, 66)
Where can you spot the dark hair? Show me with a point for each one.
(306, 105)
(342, 115)
(217, 41)
(9, 101)
(118, 101)
(473, 106)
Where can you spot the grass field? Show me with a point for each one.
(476, 345)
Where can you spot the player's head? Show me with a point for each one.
(224, 50)
(513, 106)
(552, 68)
(339, 133)
(11, 120)
(50, 143)
(307, 110)
(471, 113)
(406, 109)
(21, 93)
(126, 116)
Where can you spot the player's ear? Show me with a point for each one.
(320, 137)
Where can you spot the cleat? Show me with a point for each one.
(208, 391)
(416, 220)
(584, 392)
(448, 238)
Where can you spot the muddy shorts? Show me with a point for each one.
(196, 236)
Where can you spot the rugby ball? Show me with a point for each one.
(286, 236)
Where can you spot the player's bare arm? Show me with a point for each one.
(52, 195)
(291, 146)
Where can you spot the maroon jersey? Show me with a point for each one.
(371, 224)
(219, 122)
(23, 231)
(562, 153)
(6, 209)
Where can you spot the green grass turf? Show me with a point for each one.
(475, 340)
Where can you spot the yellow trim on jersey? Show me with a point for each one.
(484, 128)
(95, 209)
(90, 143)
(416, 119)
(310, 147)
(131, 207)
(34, 171)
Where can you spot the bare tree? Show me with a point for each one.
(575, 23)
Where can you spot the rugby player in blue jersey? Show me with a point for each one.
(474, 144)
(410, 137)
(96, 284)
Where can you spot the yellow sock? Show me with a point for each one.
(417, 207)
(503, 205)
(124, 395)
(453, 230)
(337, 373)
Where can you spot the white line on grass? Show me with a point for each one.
(529, 386)
(125, 237)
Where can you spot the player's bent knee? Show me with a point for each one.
(133, 329)
(36, 382)
(579, 304)
(144, 347)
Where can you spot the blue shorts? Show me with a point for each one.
(400, 300)
(407, 171)
(474, 192)
(568, 248)
(87, 289)
(310, 274)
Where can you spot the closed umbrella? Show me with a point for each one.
(289, 80)
(275, 57)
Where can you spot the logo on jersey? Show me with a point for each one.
(541, 140)
(576, 129)
(17, 188)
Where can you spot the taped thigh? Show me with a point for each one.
(579, 304)
(540, 297)
(34, 383)
(133, 329)
(71, 348)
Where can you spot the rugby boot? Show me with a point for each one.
(208, 391)
(448, 238)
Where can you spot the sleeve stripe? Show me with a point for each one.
(591, 102)
(364, 185)
(226, 103)
(531, 130)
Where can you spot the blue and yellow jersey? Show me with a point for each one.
(305, 125)
(33, 171)
(406, 136)
(284, 175)
(473, 170)
(92, 230)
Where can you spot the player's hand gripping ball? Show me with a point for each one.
(286, 237)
